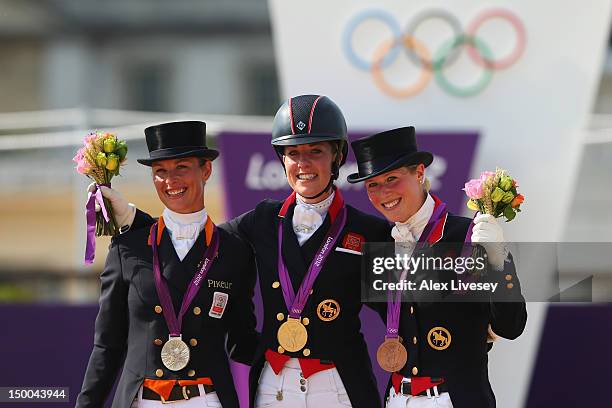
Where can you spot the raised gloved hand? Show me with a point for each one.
(488, 233)
(124, 212)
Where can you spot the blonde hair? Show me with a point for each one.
(426, 183)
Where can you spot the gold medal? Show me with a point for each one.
(175, 354)
(392, 355)
(292, 335)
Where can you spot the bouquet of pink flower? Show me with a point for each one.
(494, 193)
(99, 159)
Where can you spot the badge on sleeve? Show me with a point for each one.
(218, 305)
(353, 241)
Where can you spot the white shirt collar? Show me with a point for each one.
(184, 229)
(320, 207)
(307, 218)
(174, 221)
(417, 222)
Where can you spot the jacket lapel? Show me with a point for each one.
(178, 274)
(292, 254)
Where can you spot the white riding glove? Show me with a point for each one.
(124, 212)
(488, 233)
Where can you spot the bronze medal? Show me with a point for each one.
(292, 335)
(175, 354)
(392, 355)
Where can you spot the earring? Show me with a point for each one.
(422, 180)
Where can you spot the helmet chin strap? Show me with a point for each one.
(333, 176)
(325, 190)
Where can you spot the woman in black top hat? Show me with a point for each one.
(308, 253)
(446, 342)
(174, 297)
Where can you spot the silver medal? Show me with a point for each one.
(175, 354)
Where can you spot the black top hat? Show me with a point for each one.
(174, 140)
(382, 152)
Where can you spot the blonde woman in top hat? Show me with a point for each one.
(174, 297)
(308, 253)
(446, 343)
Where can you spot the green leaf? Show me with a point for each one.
(509, 213)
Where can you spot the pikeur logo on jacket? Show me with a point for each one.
(130, 328)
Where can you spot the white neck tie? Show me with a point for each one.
(307, 218)
(184, 229)
(305, 222)
(404, 240)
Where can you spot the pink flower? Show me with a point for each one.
(90, 138)
(473, 189)
(79, 155)
(485, 175)
(82, 165)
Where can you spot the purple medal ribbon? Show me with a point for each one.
(295, 304)
(90, 214)
(467, 250)
(174, 323)
(394, 302)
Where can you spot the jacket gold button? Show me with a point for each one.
(197, 311)
(158, 309)
(414, 340)
(275, 284)
(193, 342)
(510, 285)
(191, 373)
(157, 342)
(508, 277)
(159, 372)
(415, 371)
(281, 350)
(305, 321)
(306, 352)
(280, 317)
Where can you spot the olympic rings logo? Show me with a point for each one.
(479, 51)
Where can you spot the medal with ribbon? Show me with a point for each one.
(391, 354)
(292, 334)
(175, 352)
